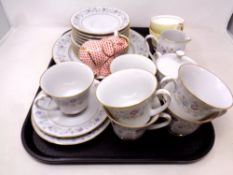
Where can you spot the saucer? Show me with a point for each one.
(62, 50)
(100, 20)
(57, 124)
(71, 141)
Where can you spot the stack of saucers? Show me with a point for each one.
(97, 23)
(58, 128)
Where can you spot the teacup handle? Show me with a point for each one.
(167, 80)
(156, 41)
(43, 98)
(167, 121)
(166, 95)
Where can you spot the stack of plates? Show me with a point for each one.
(58, 128)
(97, 23)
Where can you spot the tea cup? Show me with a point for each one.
(169, 41)
(165, 22)
(129, 96)
(197, 94)
(67, 84)
(128, 132)
(181, 127)
(128, 61)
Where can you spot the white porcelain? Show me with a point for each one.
(169, 41)
(165, 22)
(129, 96)
(128, 132)
(180, 127)
(127, 61)
(100, 20)
(71, 141)
(169, 64)
(63, 52)
(68, 85)
(57, 124)
(197, 94)
(80, 38)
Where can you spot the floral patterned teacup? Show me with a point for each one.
(127, 132)
(181, 127)
(197, 94)
(67, 84)
(129, 96)
(169, 41)
(128, 61)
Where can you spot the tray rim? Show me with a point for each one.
(131, 161)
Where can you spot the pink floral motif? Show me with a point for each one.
(194, 106)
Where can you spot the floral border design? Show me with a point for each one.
(77, 18)
(62, 50)
(42, 121)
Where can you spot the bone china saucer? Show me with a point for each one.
(74, 140)
(57, 124)
(62, 50)
(100, 20)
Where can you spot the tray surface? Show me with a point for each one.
(157, 146)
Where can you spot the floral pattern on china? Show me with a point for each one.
(57, 124)
(62, 50)
(100, 20)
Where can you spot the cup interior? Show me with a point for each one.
(66, 79)
(163, 22)
(126, 88)
(205, 85)
(173, 35)
(128, 61)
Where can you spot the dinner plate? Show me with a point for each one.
(62, 50)
(57, 124)
(71, 141)
(100, 20)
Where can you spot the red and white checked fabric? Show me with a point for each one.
(98, 54)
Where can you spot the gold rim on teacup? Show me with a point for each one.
(124, 59)
(149, 123)
(203, 68)
(68, 96)
(164, 26)
(146, 98)
(207, 119)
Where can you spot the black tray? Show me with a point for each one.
(157, 146)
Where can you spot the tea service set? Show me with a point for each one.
(103, 75)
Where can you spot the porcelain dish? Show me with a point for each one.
(62, 50)
(169, 64)
(71, 141)
(57, 124)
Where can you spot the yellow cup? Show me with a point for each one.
(165, 22)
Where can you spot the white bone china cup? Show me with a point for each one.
(129, 96)
(128, 61)
(197, 94)
(67, 84)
